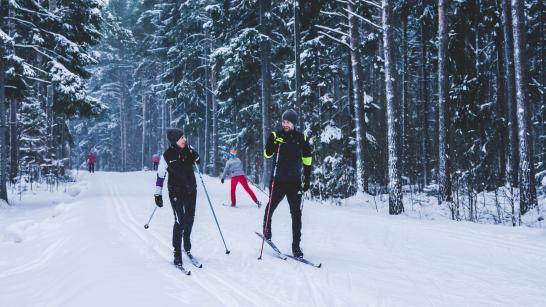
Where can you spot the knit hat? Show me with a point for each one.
(174, 134)
(233, 153)
(291, 116)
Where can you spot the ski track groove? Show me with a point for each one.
(250, 299)
(37, 262)
(131, 227)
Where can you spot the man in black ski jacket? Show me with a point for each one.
(294, 153)
(178, 162)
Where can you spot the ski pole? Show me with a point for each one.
(149, 220)
(269, 202)
(211, 208)
(257, 187)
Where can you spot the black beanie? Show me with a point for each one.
(291, 116)
(174, 134)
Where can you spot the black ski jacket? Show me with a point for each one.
(180, 168)
(295, 152)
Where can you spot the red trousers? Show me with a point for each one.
(240, 179)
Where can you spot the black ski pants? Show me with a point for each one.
(293, 194)
(184, 213)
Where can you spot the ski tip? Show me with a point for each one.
(319, 266)
(200, 266)
(189, 273)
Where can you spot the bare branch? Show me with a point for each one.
(331, 30)
(364, 19)
(335, 39)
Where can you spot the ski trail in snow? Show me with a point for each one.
(127, 218)
(40, 261)
(123, 217)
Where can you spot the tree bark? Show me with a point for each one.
(143, 159)
(297, 61)
(424, 97)
(264, 12)
(358, 100)
(512, 164)
(444, 182)
(3, 140)
(13, 146)
(527, 190)
(393, 113)
(205, 154)
(214, 102)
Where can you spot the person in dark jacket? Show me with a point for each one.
(178, 162)
(294, 154)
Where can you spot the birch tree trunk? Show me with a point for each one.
(358, 100)
(297, 61)
(444, 182)
(393, 113)
(527, 190)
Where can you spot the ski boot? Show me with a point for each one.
(177, 258)
(296, 251)
(259, 204)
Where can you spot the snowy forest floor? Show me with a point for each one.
(86, 246)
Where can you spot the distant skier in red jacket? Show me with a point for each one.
(155, 160)
(91, 160)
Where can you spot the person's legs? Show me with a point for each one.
(188, 218)
(178, 211)
(294, 200)
(244, 183)
(276, 198)
(233, 188)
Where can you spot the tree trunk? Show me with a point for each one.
(512, 164)
(405, 164)
(265, 7)
(13, 146)
(297, 62)
(501, 105)
(444, 182)
(214, 102)
(143, 159)
(393, 113)
(205, 154)
(3, 141)
(527, 190)
(358, 99)
(424, 95)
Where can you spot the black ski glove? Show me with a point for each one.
(222, 180)
(158, 200)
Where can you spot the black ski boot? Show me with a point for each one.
(296, 251)
(177, 258)
(258, 203)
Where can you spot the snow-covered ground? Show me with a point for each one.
(86, 246)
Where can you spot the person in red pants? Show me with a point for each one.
(234, 170)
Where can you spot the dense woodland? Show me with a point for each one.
(445, 97)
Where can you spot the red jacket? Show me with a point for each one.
(91, 158)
